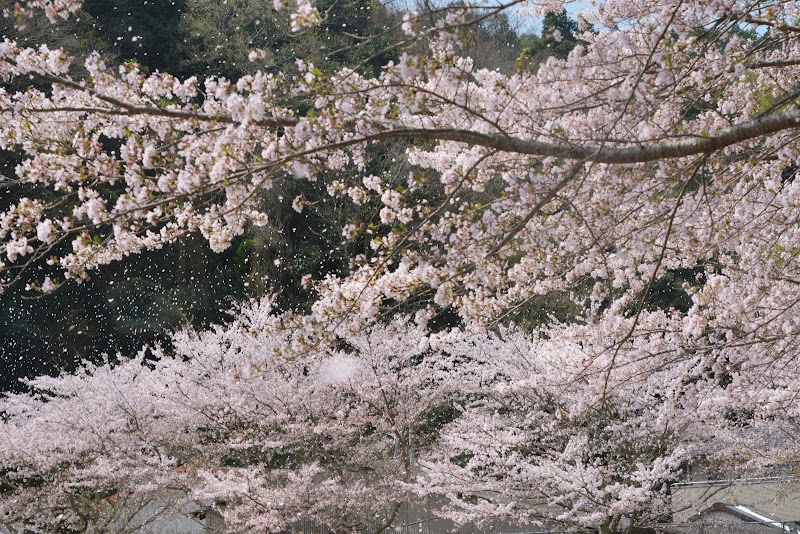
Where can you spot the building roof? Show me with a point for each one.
(733, 518)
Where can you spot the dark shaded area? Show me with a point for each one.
(136, 29)
(123, 307)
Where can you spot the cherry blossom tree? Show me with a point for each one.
(225, 419)
(667, 142)
(552, 433)
(530, 429)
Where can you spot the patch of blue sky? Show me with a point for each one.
(523, 24)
